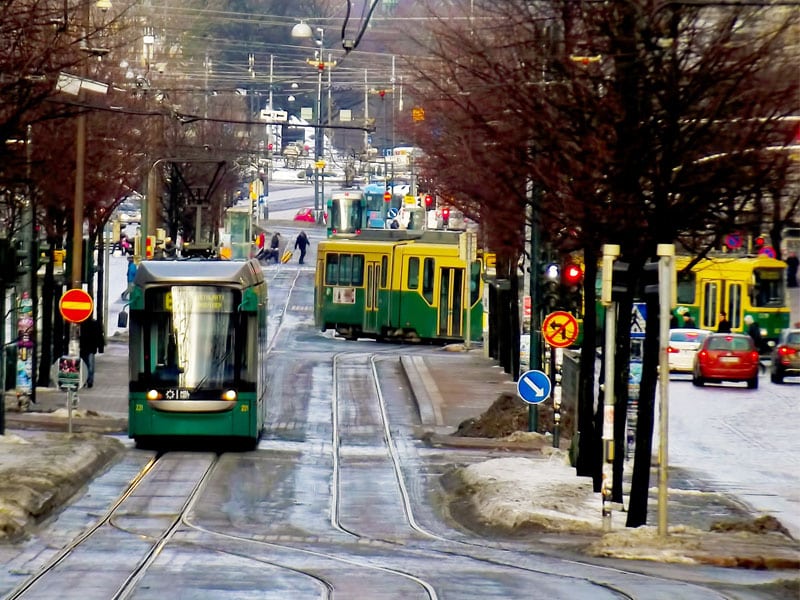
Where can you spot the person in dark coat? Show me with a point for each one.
(302, 243)
(688, 321)
(91, 340)
(723, 325)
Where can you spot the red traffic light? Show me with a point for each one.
(445, 212)
(428, 201)
(760, 241)
(573, 275)
(387, 196)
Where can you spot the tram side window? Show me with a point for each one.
(768, 289)
(332, 269)
(427, 279)
(687, 285)
(357, 277)
(384, 270)
(413, 273)
(344, 269)
(735, 305)
(474, 283)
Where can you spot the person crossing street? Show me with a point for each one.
(302, 243)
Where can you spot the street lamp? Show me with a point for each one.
(303, 31)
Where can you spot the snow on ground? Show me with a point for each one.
(545, 492)
(510, 492)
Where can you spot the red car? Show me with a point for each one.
(726, 357)
(307, 215)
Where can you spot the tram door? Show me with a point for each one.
(451, 301)
(371, 312)
(717, 295)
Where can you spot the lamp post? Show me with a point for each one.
(303, 31)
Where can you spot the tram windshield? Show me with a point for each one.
(189, 337)
(346, 215)
(768, 287)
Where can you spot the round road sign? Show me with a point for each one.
(75, 305)
(560, 329)
(733, 241)
(767, 251)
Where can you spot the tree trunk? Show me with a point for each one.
(48, 306)
(586, 463)
(640, 484)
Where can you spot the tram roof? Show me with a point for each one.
(429, 236)
(200, 270)
(729, 263)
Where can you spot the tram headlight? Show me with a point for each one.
(153, 395)
(229, 395)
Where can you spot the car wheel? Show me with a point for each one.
(753, 383)
(776, 377)
(697, 380)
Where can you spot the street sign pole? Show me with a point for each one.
(535, 351)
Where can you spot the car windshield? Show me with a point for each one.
(729, 343)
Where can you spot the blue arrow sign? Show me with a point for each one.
(534, 387)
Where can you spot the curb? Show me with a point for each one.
(91, 423)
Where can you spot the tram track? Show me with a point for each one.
(487, 553)
(142, 501)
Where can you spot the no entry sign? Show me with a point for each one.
(76, 306)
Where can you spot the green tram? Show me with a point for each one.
(198, 332)
(398, 285)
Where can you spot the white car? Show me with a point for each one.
(683, 345)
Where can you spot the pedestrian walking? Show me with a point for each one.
(309, 174)
(302, 243)
(130, 275)
(753, 329)
(723, 325)
(91, 340)
(688, 321)
(274, 247)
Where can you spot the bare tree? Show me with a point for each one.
(641, 122)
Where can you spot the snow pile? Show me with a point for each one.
(511, 492)
(644, 543)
